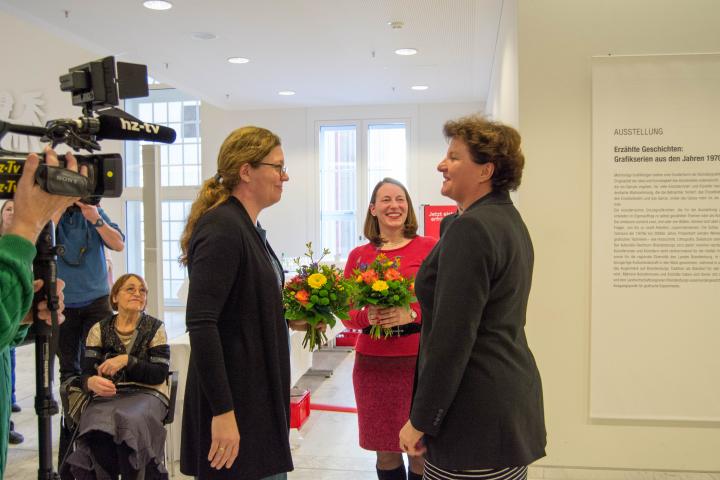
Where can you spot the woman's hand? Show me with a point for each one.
(101, 386)
(389, 317)
(303, 325)
(113, 365)
(225, 443)
(411, 440)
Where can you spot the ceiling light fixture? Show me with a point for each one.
(419, 87)
(203, 36)
(238, 60)
(406, 51)
(286, 93)
(157, 4)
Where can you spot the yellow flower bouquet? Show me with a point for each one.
(317, 294)
(381, 284)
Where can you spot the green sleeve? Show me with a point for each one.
(16, 291)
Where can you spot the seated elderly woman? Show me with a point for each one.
(125, 366)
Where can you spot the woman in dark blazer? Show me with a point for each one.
(236, 411)
(477, 406)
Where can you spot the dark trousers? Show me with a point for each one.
(73, 332)
(12, 372)
(113, 459)
(71, 349)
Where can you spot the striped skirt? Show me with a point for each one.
(511, 473)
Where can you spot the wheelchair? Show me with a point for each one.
(75, 402)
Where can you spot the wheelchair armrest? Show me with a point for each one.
(173, 384)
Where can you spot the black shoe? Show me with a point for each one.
(16, 408)
(15, 438)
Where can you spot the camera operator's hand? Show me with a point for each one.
(110, 236)
(104, 387)
(43, 310)
(113, 365)
(33, 206)
(90, 212)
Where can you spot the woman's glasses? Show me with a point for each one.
(281, 169)
(142, 291)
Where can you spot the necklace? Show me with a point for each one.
(394, 245)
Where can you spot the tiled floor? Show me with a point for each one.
(325, 448)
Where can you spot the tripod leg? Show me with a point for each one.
(45, 268)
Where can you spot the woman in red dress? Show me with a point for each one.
(384, 368)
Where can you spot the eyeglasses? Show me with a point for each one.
(281, 169)
(132, 291)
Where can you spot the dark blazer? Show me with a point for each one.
(478, 396)
(239, 347)
(447, 221)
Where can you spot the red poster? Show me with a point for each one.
(433, 215)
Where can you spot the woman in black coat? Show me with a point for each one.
(477, 407)
(236, 411)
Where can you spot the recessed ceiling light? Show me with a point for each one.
(157, 4)
(286, 93)
(406, 51)
(203, 36)
(419, 87)
(238, 60)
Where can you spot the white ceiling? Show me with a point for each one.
(331, 52)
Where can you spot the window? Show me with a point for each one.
(180, 162)
(174, 215)
(350, 169)
(135, 237)
(387, 153)
(180, 178)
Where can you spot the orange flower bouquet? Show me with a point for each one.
(381, 284)
(317, 294)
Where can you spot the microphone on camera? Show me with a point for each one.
(107, 127)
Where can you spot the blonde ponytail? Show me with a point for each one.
(212, 193)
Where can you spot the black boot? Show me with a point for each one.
(414, 476)
(396, 474)
(14, 438)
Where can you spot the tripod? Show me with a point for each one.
(45, 269)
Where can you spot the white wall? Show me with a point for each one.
(502, 103)
(556, 39)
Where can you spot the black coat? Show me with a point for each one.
(239, 356)
(478, 395)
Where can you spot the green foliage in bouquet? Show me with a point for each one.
(380, 283)
(317, 294)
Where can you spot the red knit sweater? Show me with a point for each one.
(411, 256)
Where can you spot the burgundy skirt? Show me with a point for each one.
(383, 390)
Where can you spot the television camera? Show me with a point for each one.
(97, 87)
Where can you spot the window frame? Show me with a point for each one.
(165, 193)
(362, 126)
